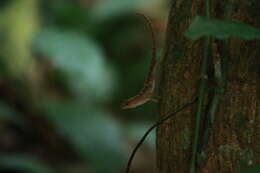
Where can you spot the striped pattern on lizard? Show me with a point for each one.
(147, 92)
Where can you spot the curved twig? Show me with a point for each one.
(159, 122)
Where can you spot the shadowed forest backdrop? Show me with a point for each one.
(65, 67)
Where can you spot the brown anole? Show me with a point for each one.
(147, 92)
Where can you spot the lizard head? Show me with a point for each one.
(126, 104)
(134, 102)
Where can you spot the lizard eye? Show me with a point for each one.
(124, 104)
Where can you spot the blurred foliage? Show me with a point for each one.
(136, 131)
(65, 67)
(92, 132)
(83, 61)
(10, 115)
(22, 162)
(19, 21)
(112, 8)
(4, 3)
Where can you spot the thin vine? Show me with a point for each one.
(220, 68)
(201, 96)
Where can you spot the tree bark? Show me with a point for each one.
(234, 138)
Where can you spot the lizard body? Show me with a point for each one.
(147, 92)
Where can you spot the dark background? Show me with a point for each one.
(65, 67)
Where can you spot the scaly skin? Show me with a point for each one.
(147, 92)
(148, 89)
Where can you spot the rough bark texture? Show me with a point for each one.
(234, 140)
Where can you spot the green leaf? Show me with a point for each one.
(81, 59)
(22, 162)
(221, 29)
(250, 169)
(94, 135)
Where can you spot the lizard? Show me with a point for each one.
(147, 92)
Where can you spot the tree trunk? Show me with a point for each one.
(233, 140)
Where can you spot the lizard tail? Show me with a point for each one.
(148, 21)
